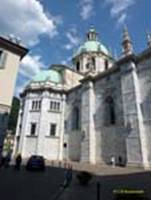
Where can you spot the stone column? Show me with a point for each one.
(136, 140)
(84, 62)
(42, 124)
(143, 139)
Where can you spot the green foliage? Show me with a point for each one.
(14, 115)
(7, 147)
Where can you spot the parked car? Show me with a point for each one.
(36, 163)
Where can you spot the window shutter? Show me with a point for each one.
(3, 59)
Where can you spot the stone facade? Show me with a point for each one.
(104, 111)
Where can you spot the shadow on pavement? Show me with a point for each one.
(24, 185)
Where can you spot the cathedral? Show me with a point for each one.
(97, 108)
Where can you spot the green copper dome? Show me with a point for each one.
(92, 44)
(48, 75)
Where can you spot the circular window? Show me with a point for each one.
(65, 145)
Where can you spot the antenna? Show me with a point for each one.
(18, 40)
(14, 39)
(11, 37)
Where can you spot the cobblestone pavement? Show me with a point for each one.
(22, 185)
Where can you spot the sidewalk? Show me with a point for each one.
(98, 169)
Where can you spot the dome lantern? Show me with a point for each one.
(92, 35)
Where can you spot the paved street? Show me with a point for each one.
(24, 185)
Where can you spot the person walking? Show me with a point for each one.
(113, 161)
(3, 158)
(68, 177)
(18, 161)
(6, 159)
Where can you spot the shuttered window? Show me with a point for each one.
(3, 56)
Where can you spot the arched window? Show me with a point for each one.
(106, 62)
(78, 66)
(90, 63)
(110, 110)
(75, 118)
(88, 66)
(93, 62)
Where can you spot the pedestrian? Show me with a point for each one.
(3, 158)
(69, 175)
(7, 160)
(18, 161)
(67, 178)
(113, 161)
(120, 161)
(3, 161)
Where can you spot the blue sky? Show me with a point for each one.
(53, 29)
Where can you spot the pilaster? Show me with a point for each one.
(24, 128)
(41, 125)
(88, 109)
(18, 131)
(61, 132)
(136, 140)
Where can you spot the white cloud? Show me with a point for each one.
(30, 66)
(68, 46)
(27, 20)
(119, 9)
(74, 40)
(122, 18)
(86, 9)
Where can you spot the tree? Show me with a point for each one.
(14, 115)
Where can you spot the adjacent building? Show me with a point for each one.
(11, 54)
(98, 108)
